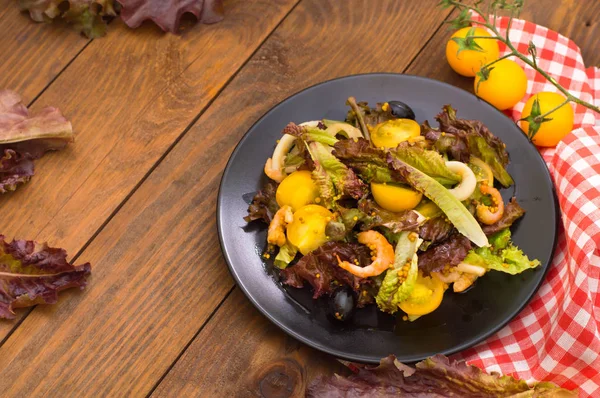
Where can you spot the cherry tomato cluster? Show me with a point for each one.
(473, 52)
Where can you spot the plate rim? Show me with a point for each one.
(332, 351)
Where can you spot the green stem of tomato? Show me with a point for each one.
(516, 53)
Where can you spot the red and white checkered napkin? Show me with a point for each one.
(557, 336)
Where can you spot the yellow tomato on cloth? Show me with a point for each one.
(392, 132)
(550, 132)
(468, 62)
(505, 86)
(395, 197)
(307, 231)
(297, 190)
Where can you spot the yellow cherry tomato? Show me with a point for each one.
(551, 132)
(395, 197)
(428, 209)
(297, 190)
(505, 86)
(467, 62)
(392, 132)
(307, 231)
(426, 296)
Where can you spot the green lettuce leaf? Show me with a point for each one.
(286, 255)
(309, 134)
(429, 162)
(332, 177)
(502, 256)
(392, 292)
(480, 148)
(456, 212)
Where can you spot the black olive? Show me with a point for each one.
(401, 110)
(342, 303)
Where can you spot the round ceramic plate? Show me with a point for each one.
(463, 319)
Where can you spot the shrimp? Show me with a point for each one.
(490, 215)
(382, 255)
(276, 233)
(464, 282)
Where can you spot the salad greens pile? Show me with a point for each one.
(387, 209)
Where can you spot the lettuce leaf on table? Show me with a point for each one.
(429, 162)
(435, 377)
(88, 16)
(25, 137)
(32, 273)
(449, 252)
(167, 13)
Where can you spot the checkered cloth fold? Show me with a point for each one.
(557, 336)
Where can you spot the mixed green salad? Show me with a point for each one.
(377, 209)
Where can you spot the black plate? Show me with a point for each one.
(463, 319)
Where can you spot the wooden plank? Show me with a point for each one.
(129, 96)
(212, 360)
(259, 360)
(33, 53)
(158, 273)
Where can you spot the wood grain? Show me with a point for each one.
(259, 360)
(203, 366)
(129, 96)
(158, 273)
(566, 17)
(32, 54)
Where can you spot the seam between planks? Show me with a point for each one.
(235, 285)
(154, 166)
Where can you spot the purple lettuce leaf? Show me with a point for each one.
(264, 205)
(449, 252)
(167, 13)
(32, 273)
(435, 377)
(320, 269)
(25, 137)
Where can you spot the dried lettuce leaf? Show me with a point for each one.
(25, 137)
(32, 273)
(167, 13)
(435, 377)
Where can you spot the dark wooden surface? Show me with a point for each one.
(156, 117)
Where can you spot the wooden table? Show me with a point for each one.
(156, 117)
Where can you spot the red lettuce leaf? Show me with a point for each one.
(435, 229)
(167, 13)
(512, 212)
(368, 161)
(24, 137)
(88, 16)
(434, 377)
(32, 273)
(451, 251)
(320, 269)
(376, 216)
(264, 205)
